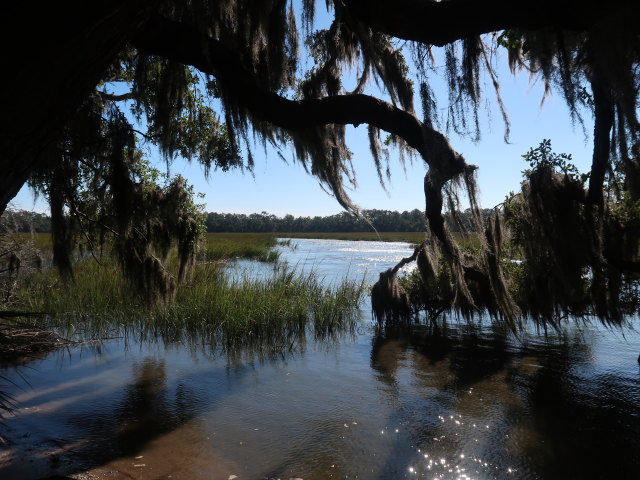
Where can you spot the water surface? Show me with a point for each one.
(455, 402)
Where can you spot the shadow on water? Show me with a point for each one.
(478, 401)
(91, 408)
(147, 410)
(399, 402)
(455, 402)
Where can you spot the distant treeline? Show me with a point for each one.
(382, 220)
(24, 221)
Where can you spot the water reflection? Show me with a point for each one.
(82, 421)
(455, 402)
(334, 259)
(480, 403)
(145, 411)
(461, 401)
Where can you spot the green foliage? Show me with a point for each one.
(170, 99)
(626, 211)
(572, 258)
(219, 246)
(557, 255)
(381, 220)
(23, 221)
(102, 191)
(104, 194)
(215, 307)
(511, 40)
(89, 175)
(543, 157)
(431, 295)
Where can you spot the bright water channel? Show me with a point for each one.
(462, 402)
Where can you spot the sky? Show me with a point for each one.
(280, 188)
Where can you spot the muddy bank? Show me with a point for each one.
(177, 455)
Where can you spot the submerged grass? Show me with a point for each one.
(272, 313)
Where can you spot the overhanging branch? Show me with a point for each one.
(112, 97)
(441, 22)
(184, 44)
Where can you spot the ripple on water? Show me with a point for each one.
(458, 402)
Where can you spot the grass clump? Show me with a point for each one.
(273, 312)
(251, 246)
(40, 241)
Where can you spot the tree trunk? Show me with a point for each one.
(55, 54)
(604, 117)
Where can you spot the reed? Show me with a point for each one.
(215, 246)
(252, 246)
(41, 241)
(217, 309)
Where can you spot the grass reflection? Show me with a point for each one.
(267, 314)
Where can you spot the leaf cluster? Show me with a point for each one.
(542, 157)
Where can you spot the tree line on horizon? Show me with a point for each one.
(24, 221)
(381, 220)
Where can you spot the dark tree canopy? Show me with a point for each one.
(208, 77)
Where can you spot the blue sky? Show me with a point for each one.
(281, 188)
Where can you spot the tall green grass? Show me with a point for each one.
(215, 246)
(253, 246)
(41, 241)
(273, 313)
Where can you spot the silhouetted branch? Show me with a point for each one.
(440, 23)
(184, 44)
(115, 98)
(410, 259)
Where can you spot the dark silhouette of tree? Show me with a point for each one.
(380, 220)
(244, 54)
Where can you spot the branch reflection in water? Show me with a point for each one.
(451, 400)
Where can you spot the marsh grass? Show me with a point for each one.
(215, 246)
(41, 241)
(274, 312)
(468, 241)
(409, 237)
(259, 246)
(251, 246)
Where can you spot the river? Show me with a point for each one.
(463, 401)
